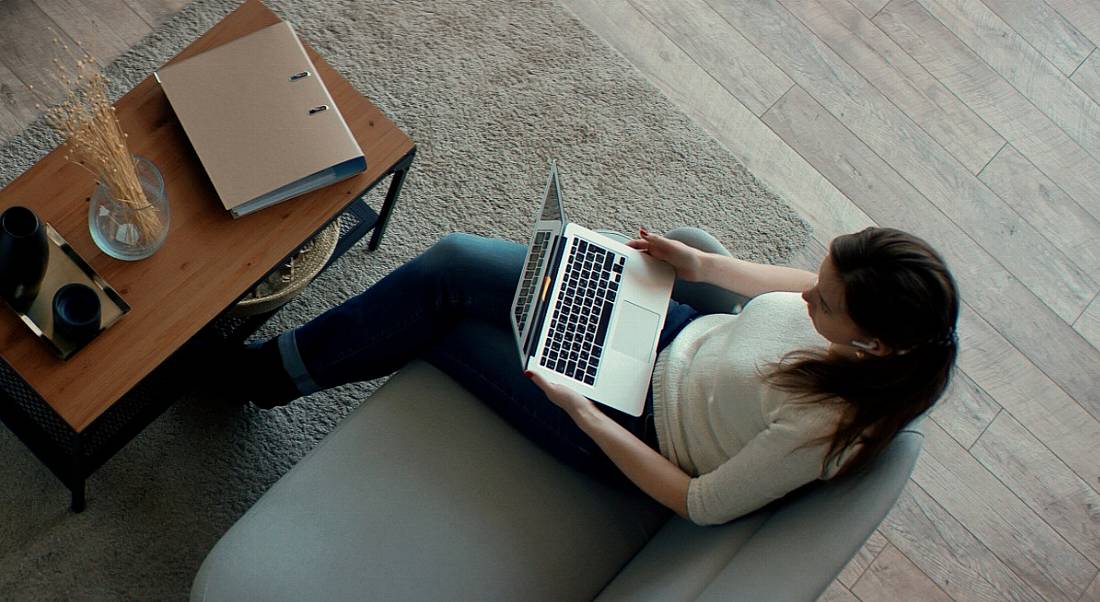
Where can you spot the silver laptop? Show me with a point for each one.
(588, 310)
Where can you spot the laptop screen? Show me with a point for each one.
(531, 289)
(530, 282)
(551, 205)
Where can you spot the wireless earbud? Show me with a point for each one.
(864, 346)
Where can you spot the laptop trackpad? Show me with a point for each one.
(635, 331)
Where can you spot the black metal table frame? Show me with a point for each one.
(73, 456)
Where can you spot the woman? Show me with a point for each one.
(812, 379)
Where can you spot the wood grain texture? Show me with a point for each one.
(959, 563)
(209, 259)
(957, 193)
(1039, 200)
(1045, 30)
(863, 559)
(27, 52)
(900, 79)
(1092, 594)
(720, 50)
(1043, 482)
(869, 8)
(1088, 325)
(1030, 396)
(1087, 76)
(894, 577)
(837, 593)
(995, 100)
(993, 513)
(965, 410)
(1015, 60)
(1083, 14)
(105, 28)
(723, 116)
(16, 103)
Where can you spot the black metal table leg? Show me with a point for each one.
(399, 172)
(77, 478)
(78, 498)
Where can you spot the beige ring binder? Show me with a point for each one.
(264, 129)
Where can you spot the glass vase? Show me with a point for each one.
(131, 230)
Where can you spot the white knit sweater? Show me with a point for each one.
(743, 441)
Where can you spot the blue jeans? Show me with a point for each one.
(450, 306)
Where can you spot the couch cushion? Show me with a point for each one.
(423, 493)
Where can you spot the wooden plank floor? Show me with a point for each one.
(29, 28)
(973, 123)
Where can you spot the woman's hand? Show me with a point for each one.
(687, 261)
(574, 404)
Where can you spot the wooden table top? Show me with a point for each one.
(209, 259)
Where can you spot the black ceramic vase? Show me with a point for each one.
(24, 255)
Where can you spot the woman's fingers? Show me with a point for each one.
(550, 389)
(562, 397)
(657, 246)
(539, 381)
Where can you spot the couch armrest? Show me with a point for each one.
(791, 550)
(681, 560)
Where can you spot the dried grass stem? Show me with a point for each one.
(95, 140)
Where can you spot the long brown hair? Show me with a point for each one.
(897, 289)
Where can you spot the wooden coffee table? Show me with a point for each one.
(75, 414)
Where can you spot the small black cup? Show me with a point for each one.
(76, 312)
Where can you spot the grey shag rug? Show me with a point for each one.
(490, 90)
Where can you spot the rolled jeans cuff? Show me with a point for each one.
(294, 365)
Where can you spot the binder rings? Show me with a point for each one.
(261, 120)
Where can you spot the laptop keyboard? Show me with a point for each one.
(578, 328)
(527, 291)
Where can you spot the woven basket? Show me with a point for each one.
(291, 277)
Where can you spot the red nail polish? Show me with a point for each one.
(643, 232)
(528, 374)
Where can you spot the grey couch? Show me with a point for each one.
(423, 493)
